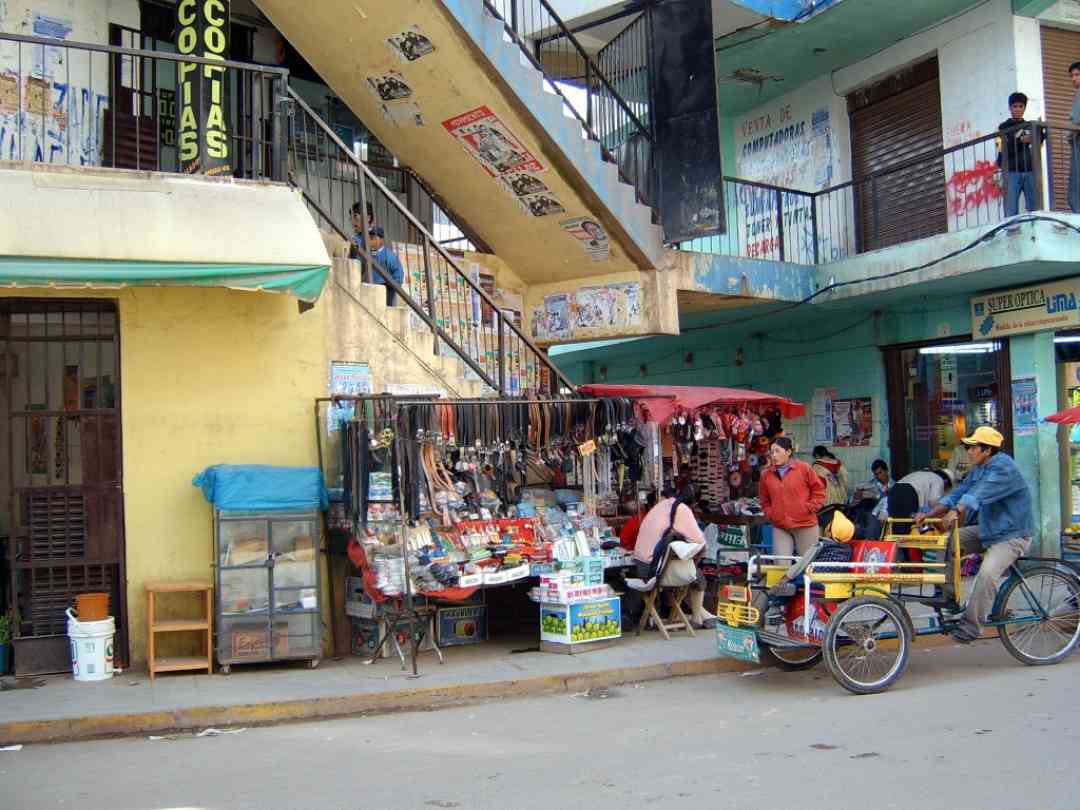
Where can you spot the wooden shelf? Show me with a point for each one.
(180, 663)
(154, 626)
(176, 626)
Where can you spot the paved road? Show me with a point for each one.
(964, 728)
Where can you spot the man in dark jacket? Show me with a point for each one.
(1015, 158)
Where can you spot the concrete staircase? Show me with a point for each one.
(397, 345)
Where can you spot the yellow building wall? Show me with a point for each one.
(208, 376)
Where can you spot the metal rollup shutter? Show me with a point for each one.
(1060, 49)
(893, 125)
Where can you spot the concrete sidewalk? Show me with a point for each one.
(57, 708)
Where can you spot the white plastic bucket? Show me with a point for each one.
(91, 648)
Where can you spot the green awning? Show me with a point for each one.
(303, 281)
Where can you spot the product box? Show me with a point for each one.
(365, 635)
(354, 588)
(470, 580)
(573, 594)
(462, 625)
(581, 622)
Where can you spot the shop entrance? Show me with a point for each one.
(940, 392)
(1067, 354)
(62, 519)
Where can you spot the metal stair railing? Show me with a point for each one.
(609, 119)
(459, 313)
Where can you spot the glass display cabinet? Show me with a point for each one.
(268, 589)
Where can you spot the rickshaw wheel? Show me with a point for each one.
(1052, 639)
(867, 644)
(788, 660)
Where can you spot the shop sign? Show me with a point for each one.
(203, 30)
(1030, 309)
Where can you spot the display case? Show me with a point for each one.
(268, 589)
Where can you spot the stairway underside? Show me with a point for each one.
(472, 109)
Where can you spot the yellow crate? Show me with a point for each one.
(737, 615)
(839, 590)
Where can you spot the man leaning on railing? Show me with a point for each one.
(1014, 156)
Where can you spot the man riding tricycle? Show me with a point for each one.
(847, 600)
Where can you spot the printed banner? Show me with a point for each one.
(349, 379)
(203, 30)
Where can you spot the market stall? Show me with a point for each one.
(717, 438)
(440, 501)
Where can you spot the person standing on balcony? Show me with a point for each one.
(385, 257)
(1014, 156)
(1074, 170)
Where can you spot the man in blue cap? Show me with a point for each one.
(387, 260)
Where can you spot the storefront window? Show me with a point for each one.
(939, 393)
(1067, 351)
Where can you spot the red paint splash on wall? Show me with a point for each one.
(970, 188)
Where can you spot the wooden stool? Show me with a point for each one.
(153, 627)
(678, 618)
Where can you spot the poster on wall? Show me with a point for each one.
(608, 307)
(591, 236)
(853, 422)
(347, 379)
(1025, 394)
(389, 86)
(557, 316)
(491, 143)
(821, 411)
(410, 45)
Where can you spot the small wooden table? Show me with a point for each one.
(155, 626)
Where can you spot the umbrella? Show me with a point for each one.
(1069, 416)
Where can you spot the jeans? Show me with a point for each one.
(996, 561)
(1016, 182)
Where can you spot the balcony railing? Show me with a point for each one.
(83, 104)
(939, 191)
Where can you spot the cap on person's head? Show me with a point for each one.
(1017, 98)
(377, 232)
(985, 435)
(785, 442)
(841, 528)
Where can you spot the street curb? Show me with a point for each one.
(256, 714)
(74, 729)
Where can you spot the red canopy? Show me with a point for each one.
(661, 401)
(1069, 416)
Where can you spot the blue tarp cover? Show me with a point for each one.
(262, 488)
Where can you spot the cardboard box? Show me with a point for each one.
(462, 625)
(581, 622)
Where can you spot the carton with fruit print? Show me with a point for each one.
(581, 622)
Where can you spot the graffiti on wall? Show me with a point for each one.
(781, 148)
(968, 189)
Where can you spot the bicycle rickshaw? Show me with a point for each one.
(854, 614)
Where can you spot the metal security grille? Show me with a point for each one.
(60, 377)
(1060, 49)
(894, 124)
